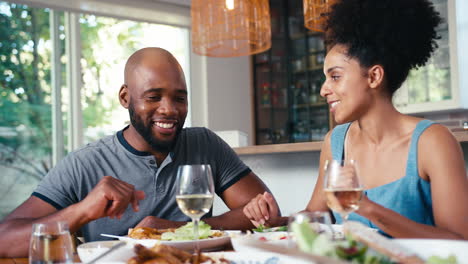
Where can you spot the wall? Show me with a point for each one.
(221, 94)
(290, 176)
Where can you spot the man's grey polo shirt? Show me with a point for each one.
(76, 175)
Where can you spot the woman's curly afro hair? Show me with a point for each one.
(397, 34)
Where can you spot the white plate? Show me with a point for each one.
(123, 254)
(207, 244)
(90, 250)
(279, 238)
(257, 257)
(426, 248)
(272, 236)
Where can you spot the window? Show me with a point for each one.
(30, 100)
(25, 101)
(431, 83)
(106, 45)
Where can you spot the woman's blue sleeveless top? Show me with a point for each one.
(409, 196)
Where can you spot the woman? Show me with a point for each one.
(412, 169)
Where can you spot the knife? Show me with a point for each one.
(119, 237)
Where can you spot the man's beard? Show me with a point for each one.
(146, 132)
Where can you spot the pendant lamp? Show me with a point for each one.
(230, 28)
(315, 13)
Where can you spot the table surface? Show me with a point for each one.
(227, 247)
(13, 260)
(26, 260)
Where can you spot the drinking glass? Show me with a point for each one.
(194, 193)
(50, 243)
(319, 222)
(342, 187)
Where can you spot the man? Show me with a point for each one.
(93, 187)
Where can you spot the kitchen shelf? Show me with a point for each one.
(279, 148)
(461, 136)
(324, 104)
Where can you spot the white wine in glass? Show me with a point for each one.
(342, 187)
(195, 205)
(195, 193)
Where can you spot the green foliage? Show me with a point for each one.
(25, 83)
(186, 232)
(24, 86)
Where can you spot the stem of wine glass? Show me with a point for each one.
(195, 233)
(340, 235)
(345, 217)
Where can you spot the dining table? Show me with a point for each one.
(13, 260)
(76, 259)
(242, 250)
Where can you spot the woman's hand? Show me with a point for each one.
(365, 205)
(261, 209)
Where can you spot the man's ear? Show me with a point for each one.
(375, 76)
(123, 96)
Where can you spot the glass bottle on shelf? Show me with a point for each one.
(265, 95)
(291, 86)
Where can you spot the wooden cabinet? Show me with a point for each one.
(287, 80)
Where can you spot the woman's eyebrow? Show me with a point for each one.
(333, 68)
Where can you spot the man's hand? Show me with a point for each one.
(262, 209)
(110, 198)
(159, 223)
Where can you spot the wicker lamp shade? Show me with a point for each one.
(314, 10)
(230, 28)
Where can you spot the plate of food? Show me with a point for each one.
(280, 238)
(182, 237)
(136, 254)
(262, 257)
(89, 251)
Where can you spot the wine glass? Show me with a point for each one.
(50, 243)
(342, 187)
(194, 193)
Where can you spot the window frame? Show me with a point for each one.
(140, 11)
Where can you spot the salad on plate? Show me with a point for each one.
(182, 237)
(351, 249)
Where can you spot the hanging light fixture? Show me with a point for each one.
(230, 28)
(314, 13)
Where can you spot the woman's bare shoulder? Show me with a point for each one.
(437, 134)
(439, 150)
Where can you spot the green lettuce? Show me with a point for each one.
(262, 229)
(320, 244)
(185, 232)
(439, 260)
